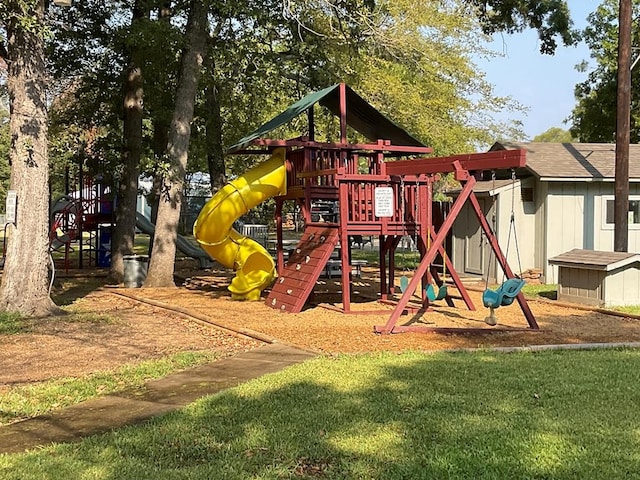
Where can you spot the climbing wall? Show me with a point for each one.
(303, 268)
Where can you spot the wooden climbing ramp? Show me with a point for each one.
(301, 271)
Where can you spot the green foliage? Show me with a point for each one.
(485, 415)
(553, 135)
(415, 68)
(419, 72)
(25, 15)
(550, 18)
(594, 117)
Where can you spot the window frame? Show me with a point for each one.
(611, 198)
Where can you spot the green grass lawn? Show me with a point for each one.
(558, 415)
(30, 400)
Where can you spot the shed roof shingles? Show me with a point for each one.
(574, 160)
(594, 259)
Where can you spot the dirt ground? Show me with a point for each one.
(136, 331)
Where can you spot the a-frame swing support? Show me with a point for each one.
(462, 165)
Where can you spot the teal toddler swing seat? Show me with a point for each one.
(504, 294)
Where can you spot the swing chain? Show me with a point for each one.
(416, 199)
(513, 221)
(403, 220)
(493, 226)
(402, 207)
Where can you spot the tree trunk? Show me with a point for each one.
(161, 124)
(160, 141)
(215, 150)
(124, 230)
(161, 266)
(25, 282)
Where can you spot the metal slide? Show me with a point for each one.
(254, 267)
(182, 244)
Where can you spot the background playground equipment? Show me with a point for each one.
(369, 190)
(81, 222)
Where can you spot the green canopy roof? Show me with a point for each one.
(361, 116)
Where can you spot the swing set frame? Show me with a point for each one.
(464, 168)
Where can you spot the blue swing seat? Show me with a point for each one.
(404, 283)
(504, 294)
(432, 295)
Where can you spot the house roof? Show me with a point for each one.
(574, 161)
(594, 260)
(361, 116)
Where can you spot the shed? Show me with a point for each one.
(598, 278)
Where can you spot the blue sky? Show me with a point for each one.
(542, 83)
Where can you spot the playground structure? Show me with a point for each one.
(81, 225)
(88, 211)
(387, 199)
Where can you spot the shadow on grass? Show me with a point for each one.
(482, 415)
(68, 290)
(549, 295)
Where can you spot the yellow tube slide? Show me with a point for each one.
(254, 267)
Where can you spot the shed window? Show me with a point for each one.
(633, 214)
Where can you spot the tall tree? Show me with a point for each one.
(24, 286)
(550, 18)
(554, 135)
(161, 266)
(133, 112)
(594, 117)
(449, 104)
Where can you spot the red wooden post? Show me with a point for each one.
(382, 252)
(343, 113)
(306, 210)
(343, 201)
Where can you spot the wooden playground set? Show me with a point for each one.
(383, 188)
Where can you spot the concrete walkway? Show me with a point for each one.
(160, 396)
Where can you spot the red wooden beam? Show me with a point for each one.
(469, 162)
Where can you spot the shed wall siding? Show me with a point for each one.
(565, 227)
(575, 219)
(621, 287)
(603, 235)
(541, 229)
(524, 232)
